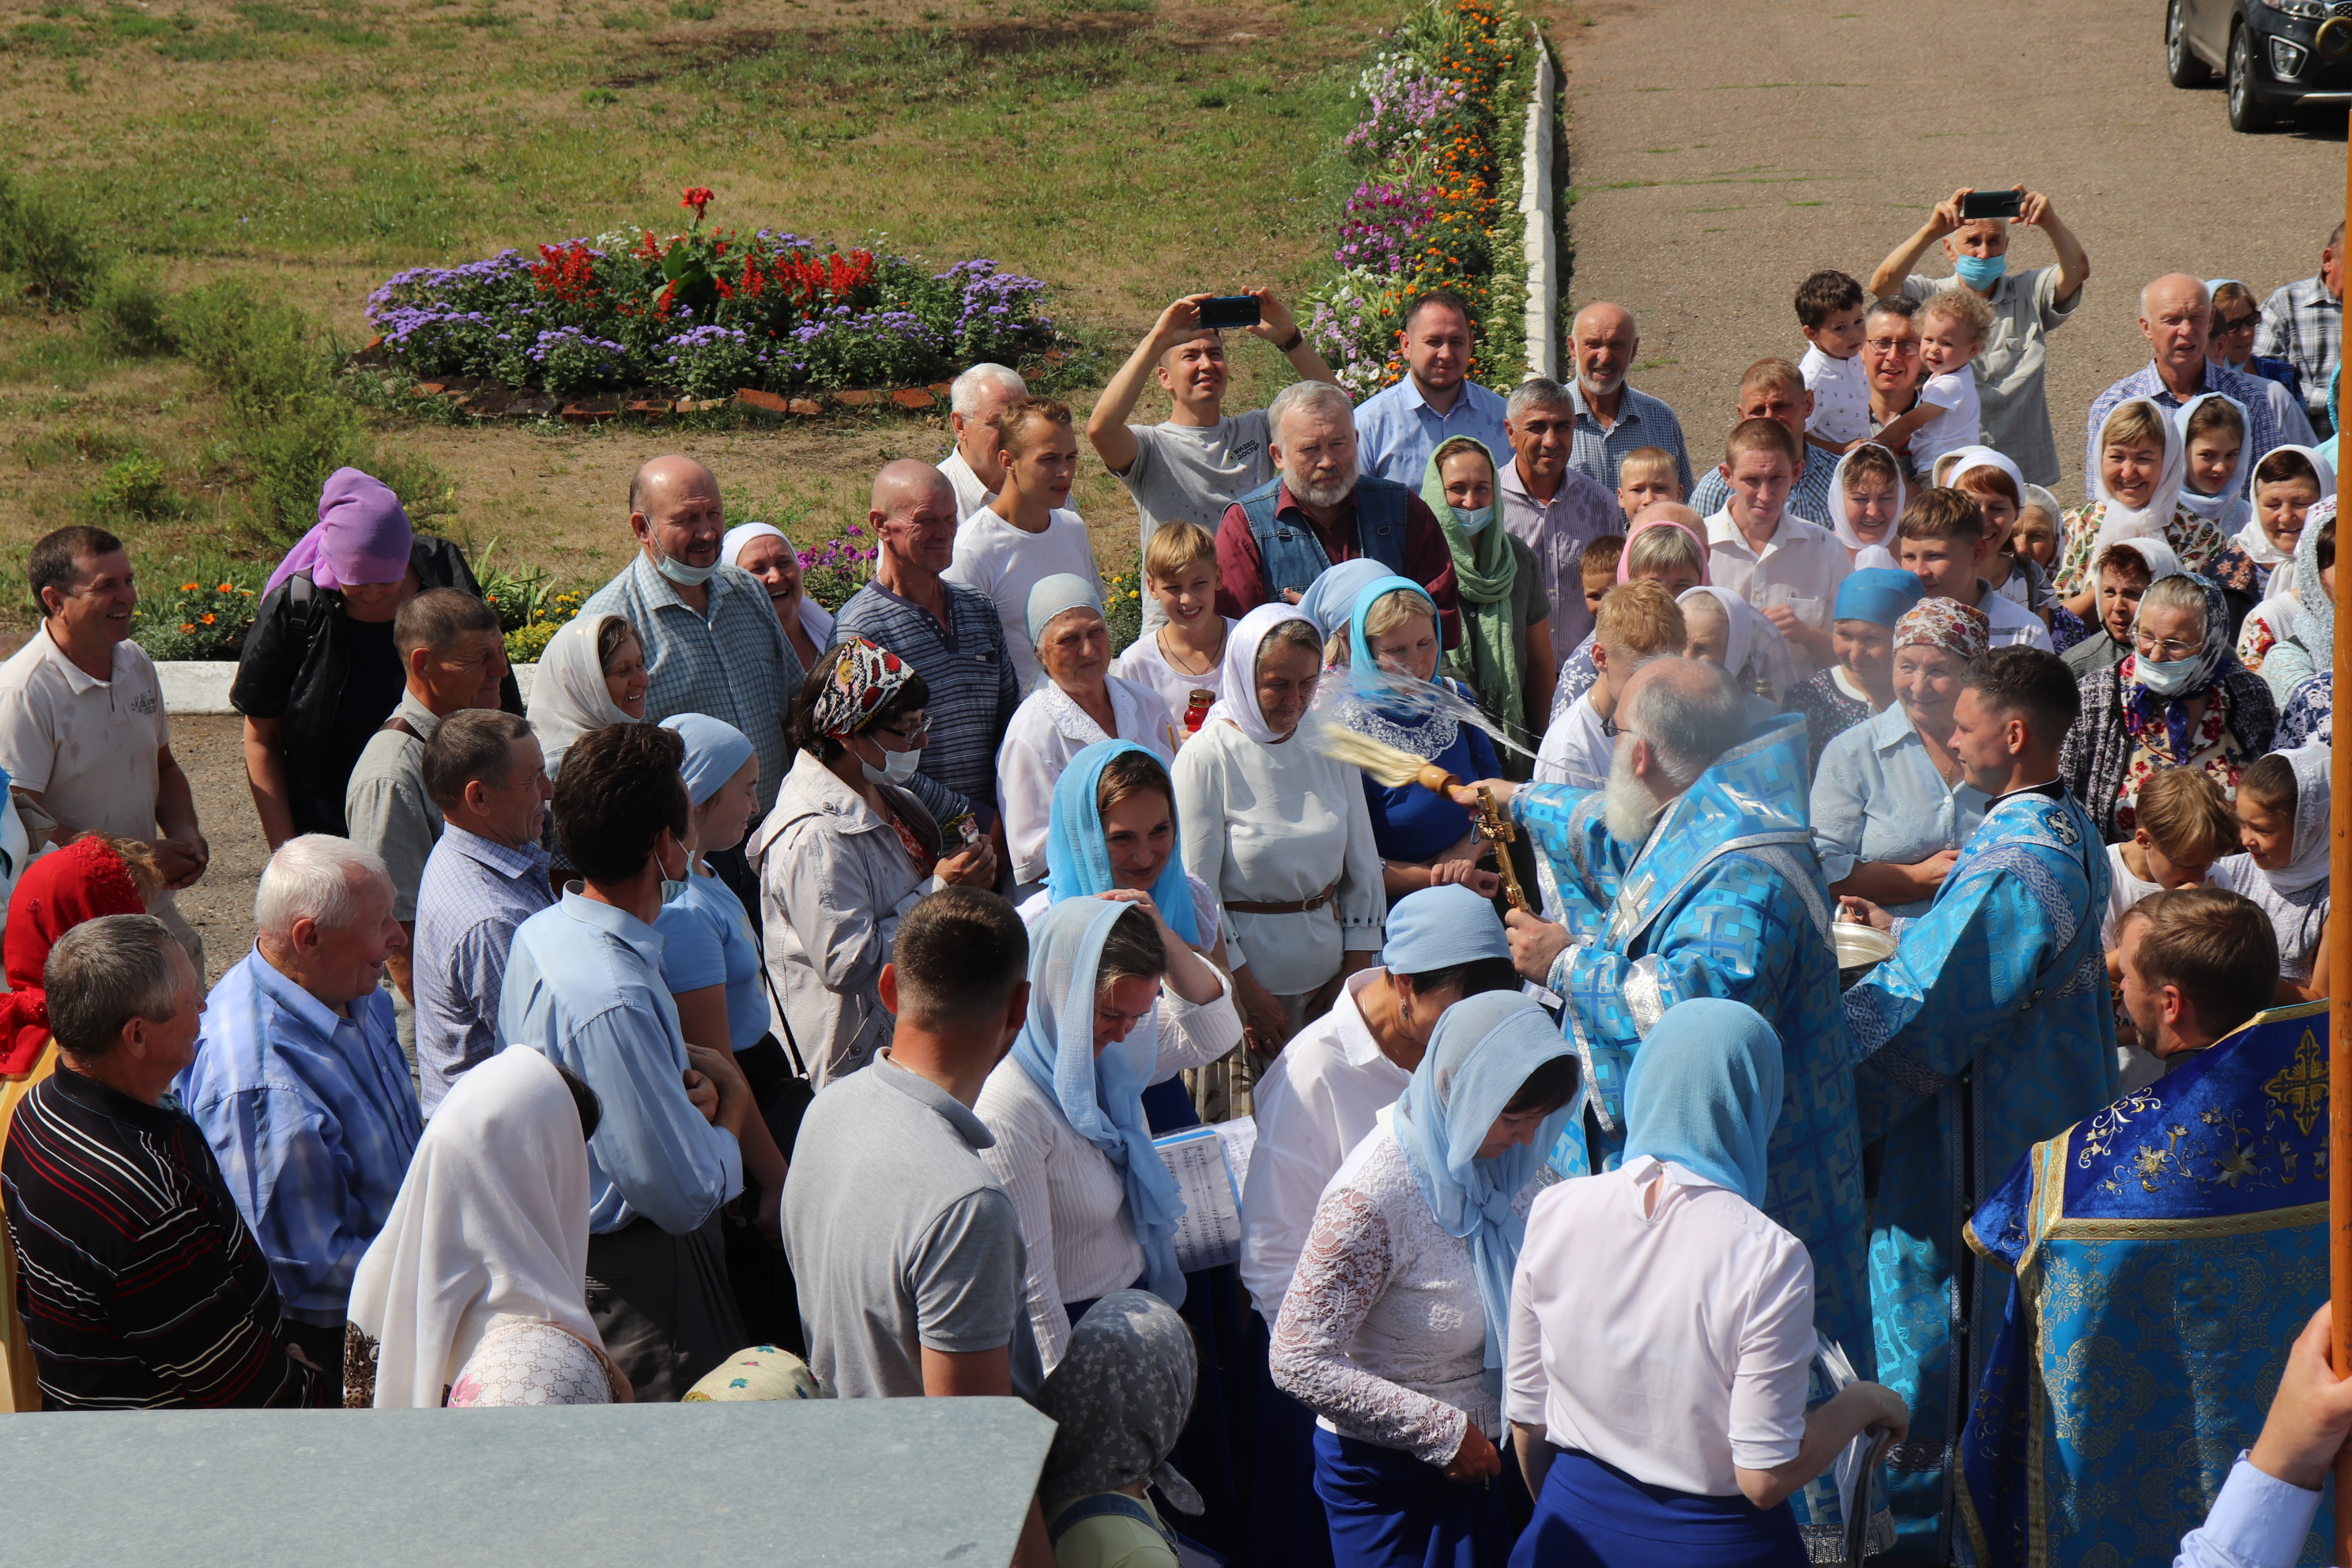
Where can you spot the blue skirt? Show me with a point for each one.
(1592, 1515)
(1286, 1527)
(1388, 1510)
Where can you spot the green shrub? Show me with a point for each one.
(44, 248)
(135, 487)
(129, 315)
(525, 644)
(1123, 607)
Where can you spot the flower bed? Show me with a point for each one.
(705, 314)
(1440, 143)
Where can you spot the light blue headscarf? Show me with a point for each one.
(1101, 1096)
(1705, 1093)
(1077, 860)
(1360, 654)
(1479, 1057)
(714, 751)
(1332, 595)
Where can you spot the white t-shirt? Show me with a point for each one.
(89, 748)
(971, 494)
(1841, 396)
(2124, 891)
(1188, 696)
(1954, 392)
(2012, 623)
(1190, 473)
(1004, 562)
(1576, 749)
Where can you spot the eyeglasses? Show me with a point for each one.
(1894, 345)
(915, 735)
(2233, 325)
(2165, 651)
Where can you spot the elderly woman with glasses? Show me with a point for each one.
(2179, 700)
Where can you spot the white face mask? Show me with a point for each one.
(2167, 678)
(897, 768)
(1473, 520)
(684, 575)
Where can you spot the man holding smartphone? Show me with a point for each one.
(1191, 467)
(2026, 307)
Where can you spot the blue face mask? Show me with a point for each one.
(1474, 519)
(1980, 271)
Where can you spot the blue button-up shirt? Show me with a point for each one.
(1642, 421)
(1396, 430)
(1877, 796)
(1809, 498)
(2257, 1522)
(733, 663)
(584, 989)
(473, 895)
(312, 1118)
(2262, 423)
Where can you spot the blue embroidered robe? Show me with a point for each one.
(1988, 1030)
(1724, 898)
(2165, 1253)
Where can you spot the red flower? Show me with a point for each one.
(697, 197)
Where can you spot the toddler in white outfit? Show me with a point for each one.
(1953, 324)
(1831, 309)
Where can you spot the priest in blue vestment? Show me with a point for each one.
(1987, 1031)
(2162, 1255)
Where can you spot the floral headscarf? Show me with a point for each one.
(1119, 1398)
(2142, 707)
(865, 677)
(1960, 630)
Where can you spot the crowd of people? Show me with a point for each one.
(1848, 852)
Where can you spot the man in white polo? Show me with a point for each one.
(82, 732)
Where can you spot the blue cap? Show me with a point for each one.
(1880, 594)
(1439, 928)
(715, 750)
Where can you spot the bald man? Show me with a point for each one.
(1612, 418)
(950, 633)
(2176, 316)
(712, 643)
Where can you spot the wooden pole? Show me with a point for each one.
(2339, 1019)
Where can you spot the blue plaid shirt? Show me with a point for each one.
(973, 690)
(473, 895)
(735, 664)
(2303, 324)
(2262, 424)
(1809, 498)
(1642, 421)
(312, 1118)
(1396, 429)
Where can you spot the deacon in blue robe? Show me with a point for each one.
(2164, 1255)
(1989, 1029)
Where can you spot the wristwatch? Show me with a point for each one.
(1298, 336)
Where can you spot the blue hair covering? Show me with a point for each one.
(1360, 662)
(1440, 928)
(1705, 1092)
(1101, 1096)
(1480, 1055)
(2327, 448)
(1077, 860)
(1332, 595)
(714, 751)
(1880, 594)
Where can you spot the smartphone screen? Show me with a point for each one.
(1989, 203)
(1230, 310)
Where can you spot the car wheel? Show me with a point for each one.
(2182, 66)
(2248, 113)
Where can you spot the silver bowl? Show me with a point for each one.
(1860, 950)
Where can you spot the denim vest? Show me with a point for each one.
(1294, 557)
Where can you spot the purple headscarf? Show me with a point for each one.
(362, 535)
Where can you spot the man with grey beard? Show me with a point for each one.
(1321, 510)
(1691, 873)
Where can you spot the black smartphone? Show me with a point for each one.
(1989, 203)
(1229, 310)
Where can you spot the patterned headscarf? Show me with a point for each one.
(1960, 630)
(866, 676)
(1119, 1399)
(2143, 708)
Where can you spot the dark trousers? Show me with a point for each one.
(663, 1305)
(323, 1346)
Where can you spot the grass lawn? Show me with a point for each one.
(1124, 150)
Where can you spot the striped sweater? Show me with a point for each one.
(139, 1284)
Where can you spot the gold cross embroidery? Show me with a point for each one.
(2302, 1085)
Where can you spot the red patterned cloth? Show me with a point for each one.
(59, 891)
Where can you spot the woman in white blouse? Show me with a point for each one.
(1280, 831)
(1662, 1328)
(1394, 1329)
(1079, 704)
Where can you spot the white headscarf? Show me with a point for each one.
(815, 618)
(1838, 525)
(1986, 457)
(491, 1219)
(2162, 560)
(2119, 521)
(569, 698)
(2307, 868)
(1237, 680)
(1753, 642)
(2254, 542)
(2228, 510)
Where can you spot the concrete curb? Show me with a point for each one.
(1537, 202)
(201, 686)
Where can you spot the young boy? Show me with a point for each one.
(2184, 827)
(1182, 659)
(1598, 567)
(1785, 566)
(1830, 307)
(1953, 326)
(1648, 475)
(1941, 537)
(1636, 623)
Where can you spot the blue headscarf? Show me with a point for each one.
(2144, 708)
(1365, 676)
(1880, 594)
(714, 751)
(1101, 1096)
(1077, 860)
(1479, 1055)
(1705, 1092)
(1332, 595)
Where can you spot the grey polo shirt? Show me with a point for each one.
(2009, 383)
(387, 806)
(901, 1239)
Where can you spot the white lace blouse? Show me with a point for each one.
(1382, 1334)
